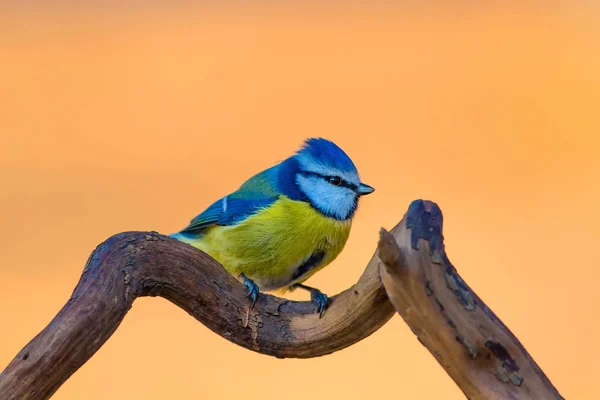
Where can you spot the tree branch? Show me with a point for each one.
(136, 264)
(469, 341)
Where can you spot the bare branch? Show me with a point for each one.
(135, 264)
(469, 341)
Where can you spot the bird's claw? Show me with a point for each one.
(320, 299)
(252, 290)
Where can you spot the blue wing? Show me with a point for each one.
(256, 193)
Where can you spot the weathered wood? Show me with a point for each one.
(469, 341)
(135, 264)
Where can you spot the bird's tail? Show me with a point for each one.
(183, 237)
(193, 239)
(177, 236)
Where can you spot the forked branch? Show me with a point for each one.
(423, 286)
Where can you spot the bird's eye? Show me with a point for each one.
(335, 180)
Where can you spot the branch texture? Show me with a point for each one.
(135, 264)
(469, 341)
(409, 273)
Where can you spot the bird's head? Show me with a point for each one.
(327, 177)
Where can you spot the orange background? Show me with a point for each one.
(117, 118)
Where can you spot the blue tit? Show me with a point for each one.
(285, 223)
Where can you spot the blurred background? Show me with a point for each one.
(123, 116)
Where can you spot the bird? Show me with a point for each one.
(285, 223)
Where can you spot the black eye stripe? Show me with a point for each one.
(327, 177)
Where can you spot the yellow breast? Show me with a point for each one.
(272, 246)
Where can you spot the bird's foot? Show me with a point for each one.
(320, 299)
(252, 290)
(317, 297)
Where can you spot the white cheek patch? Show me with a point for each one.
(308, 164)
(333, 200)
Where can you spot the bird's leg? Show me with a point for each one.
(316, 296)
(252, 289)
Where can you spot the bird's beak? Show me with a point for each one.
(365, 189)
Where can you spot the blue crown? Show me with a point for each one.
(328, 153)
